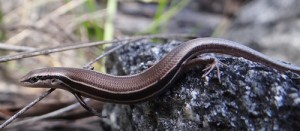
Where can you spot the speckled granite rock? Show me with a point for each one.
(249, 97)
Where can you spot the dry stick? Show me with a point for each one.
(26, 108)
(48, 115)
(77, 46)
(51, 114)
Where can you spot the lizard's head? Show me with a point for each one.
(42, 78)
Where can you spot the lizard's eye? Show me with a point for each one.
(53, 81)
(33, 80)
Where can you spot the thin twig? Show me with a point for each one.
(26, 108)
(77, 46)
(48, 115)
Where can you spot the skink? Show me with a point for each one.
(147, 84)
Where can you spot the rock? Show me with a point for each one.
(250, 96)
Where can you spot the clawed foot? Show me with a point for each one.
(214, 64)
(211, 62)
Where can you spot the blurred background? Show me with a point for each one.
(269, 26)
